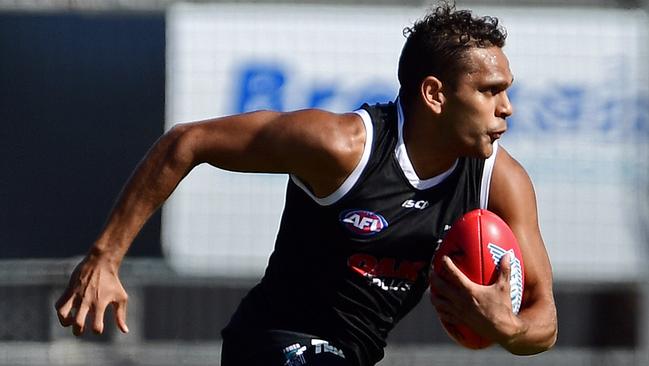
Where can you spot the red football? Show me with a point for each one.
(476, 243)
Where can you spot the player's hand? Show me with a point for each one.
(485, 309)
(93, 286)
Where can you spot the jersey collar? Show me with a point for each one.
(406, 165)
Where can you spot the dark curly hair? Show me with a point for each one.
(437, 45)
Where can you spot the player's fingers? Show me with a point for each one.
(455, 275)
(447, 311)
(444, 308)
(64, 307)
(439, 286)
(65, 296)
(80, 320)
(447, 291)
(98, 321)
(441, 303)
(435, 281)
(120, 315)
(505, 268)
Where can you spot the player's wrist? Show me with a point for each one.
(102, 254)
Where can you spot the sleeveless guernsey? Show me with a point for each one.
(349, 266)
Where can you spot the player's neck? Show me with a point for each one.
(430, 152)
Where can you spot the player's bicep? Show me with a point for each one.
(264, 141)
(230, 142)
(320, 148)
(512, 197)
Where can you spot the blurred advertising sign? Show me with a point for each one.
(581, 122)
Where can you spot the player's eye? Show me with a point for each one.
(496, 90)
(491, 90)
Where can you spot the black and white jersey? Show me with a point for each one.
(349, 266)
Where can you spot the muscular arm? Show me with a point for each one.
(512, 197)
(269, 142)
(321, 148)
(488, 309)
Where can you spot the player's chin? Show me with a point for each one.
(489, 150)
(479, 147)
(484, 150)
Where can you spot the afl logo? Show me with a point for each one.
(362, 222)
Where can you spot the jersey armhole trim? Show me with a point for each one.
(485, 184)
(351, 180)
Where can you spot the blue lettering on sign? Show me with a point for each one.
(260, 87)
(564, 108)
(320, 96)
(264, 86)
(374, 93)
(641, 120)
(570, 109)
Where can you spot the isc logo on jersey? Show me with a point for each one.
(415, 204)
(362, 222)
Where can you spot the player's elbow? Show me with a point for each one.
(540, 347)
(551, 340)
(544, 339)
(552, 331)
(181, 146)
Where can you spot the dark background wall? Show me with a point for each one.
(81, 100)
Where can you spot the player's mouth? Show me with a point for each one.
(495, 135)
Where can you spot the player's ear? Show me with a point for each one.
(431, 93)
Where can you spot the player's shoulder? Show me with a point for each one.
(332, 135)
(372, 111)
(511, 187)
(507, 169)
(316, 114)
(329, 145)
(325, 123)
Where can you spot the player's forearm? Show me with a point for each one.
(534, 331)
(154, 179)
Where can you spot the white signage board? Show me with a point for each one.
(581, 123)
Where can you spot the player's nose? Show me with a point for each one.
(504, 108)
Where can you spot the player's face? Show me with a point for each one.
(477, 107)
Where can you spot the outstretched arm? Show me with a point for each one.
(321, 148)
(488, 309)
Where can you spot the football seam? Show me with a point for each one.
(481, 246)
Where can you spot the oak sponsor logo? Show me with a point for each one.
(388, 274)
